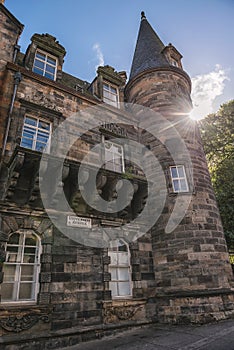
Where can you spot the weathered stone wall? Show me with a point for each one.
(10, 29)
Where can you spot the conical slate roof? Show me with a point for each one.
(148, 52)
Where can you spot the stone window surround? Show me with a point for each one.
(36, 111)
(37, 129)
(33, 300)
(128, 265)
(106, 139)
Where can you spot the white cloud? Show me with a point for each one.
(205, 89)
(100, 57)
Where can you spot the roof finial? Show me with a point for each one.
(142, 15)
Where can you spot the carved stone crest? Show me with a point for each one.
(19, 323)
(120, 313)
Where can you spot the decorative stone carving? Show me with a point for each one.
(121, 313)
(20, 323)
(39, 98)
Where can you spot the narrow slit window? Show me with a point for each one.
(179, 180)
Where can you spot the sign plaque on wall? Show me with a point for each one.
(78, 221)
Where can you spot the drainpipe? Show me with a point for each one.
(17, 79)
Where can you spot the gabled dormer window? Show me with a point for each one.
(45, 65)
(110, 94)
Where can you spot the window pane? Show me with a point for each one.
(124, 288)
(50, 69)
(113, 257)
(27, 143)
(176, 185)
(31, 121)
(113, 288)
(29, 250)
(25, 291)
(114, 90)
(42, 137)
(51, 60)
(122, 246)
(181, 171)
(113, 272)
(12, 248)
(39, 64)
(14, 239)
(9, 273)
(183, 185)
(38, 71)
(13, 258)
(29, 133)
(44, 125)
(29, 258)
(40, 55)
(7, 291)
(27, 273)
(40, 146)
(50, 76)
(106, 94)
(30, 240)
(174, 173)
(123, 258)
(123, 274)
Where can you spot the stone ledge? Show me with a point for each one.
(68, 337)
(196, 293)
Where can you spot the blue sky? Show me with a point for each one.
(95, 32)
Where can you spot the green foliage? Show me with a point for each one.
(217, 131)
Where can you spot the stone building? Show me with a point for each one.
(57, 290)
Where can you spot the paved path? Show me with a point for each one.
(217, 336)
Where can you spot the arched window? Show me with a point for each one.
(21, 268)
(120, 269)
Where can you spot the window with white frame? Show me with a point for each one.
(114, 158)
(110, 95)
(45, 65)
(21, 268)
(120, 269)
(179, 180)
(36, 134)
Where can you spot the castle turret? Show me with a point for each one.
(191, 262)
